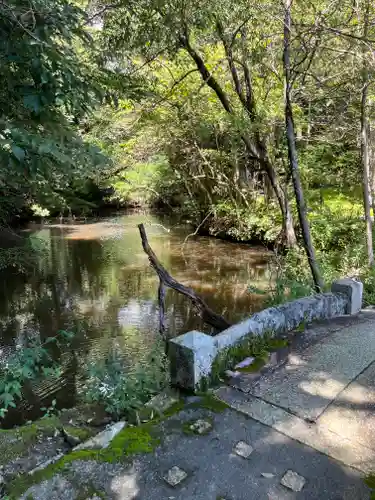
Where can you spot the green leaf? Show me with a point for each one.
(32, 101)
(27, 372)
(50, 340)
(18, 152)
(7, 399)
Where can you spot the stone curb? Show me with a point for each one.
(192, 355)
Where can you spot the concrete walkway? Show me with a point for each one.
(236, 459)
(304, 430)
(324, 396)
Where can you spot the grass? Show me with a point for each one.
(257, 347)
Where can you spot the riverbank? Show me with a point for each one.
(200, 448)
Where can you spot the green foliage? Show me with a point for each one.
(367, 276)
(46, 90)
(121, 392)
(51, 410)
(25, 255)
(29, 363)
(370, 481)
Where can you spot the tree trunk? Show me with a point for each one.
(288, 226)
(256, 148)
(293, 159)
(372, 168)
(365, 143)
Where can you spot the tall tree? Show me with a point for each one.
(292, 154)
(164, 29)
(365, 135)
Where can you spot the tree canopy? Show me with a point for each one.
(254, 119)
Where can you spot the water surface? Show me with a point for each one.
(95, 280)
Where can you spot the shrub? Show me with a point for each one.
(30, 362)
(121, 392)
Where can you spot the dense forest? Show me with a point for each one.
(253, 122)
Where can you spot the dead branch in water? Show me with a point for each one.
(207, 315)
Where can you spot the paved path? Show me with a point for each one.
(305, 430)
(325, 394)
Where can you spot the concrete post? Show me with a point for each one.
(353, 290)
(191, 356)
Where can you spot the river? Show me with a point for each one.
(95, 280)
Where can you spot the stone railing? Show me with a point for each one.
(193, 354)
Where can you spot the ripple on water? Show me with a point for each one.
(95, 280)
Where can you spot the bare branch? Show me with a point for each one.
(207, 315)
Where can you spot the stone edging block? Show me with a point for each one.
(192, 354)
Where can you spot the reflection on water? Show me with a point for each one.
(95, 280)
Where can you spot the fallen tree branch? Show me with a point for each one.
(207, 315)
(198, 228)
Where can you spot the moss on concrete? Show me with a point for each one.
(258, 347)
(186, 427)
(210, 402)
(82, 433)
(16, 442)
(130, 441)
(255, 366)
(370, 481)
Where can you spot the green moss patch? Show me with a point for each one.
(257, 347)
(209, 402)
(16, 442)
(255, 366)
(188, 430)
(370, 481)
(128, 442)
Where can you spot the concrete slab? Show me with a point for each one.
(352, 414)
(313, 378)
(315, 435)
(213, 470)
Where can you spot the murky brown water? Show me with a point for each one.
(95, 280)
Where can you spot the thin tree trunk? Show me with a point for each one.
(288, 225)
(255, 148)
(161, 300)
(372, 169)
(293, 159)
(365, 143)
(259, 148)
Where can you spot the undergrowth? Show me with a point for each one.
(122, 392)
(30, 362)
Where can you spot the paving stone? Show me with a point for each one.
(201, 426)
(246, 362)
(175, 476)
(243, 449)
(312, 379)
(293, 481)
